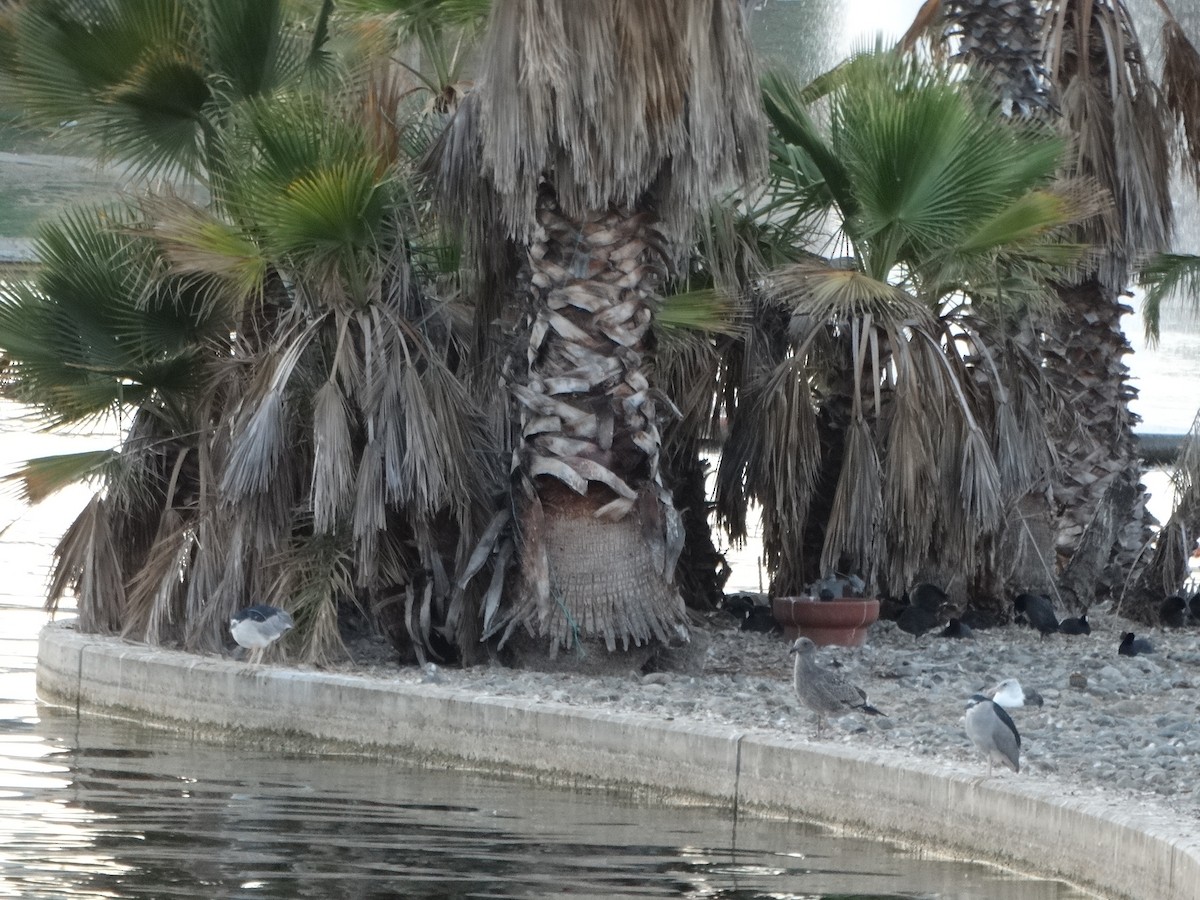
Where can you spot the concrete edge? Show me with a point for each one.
(1099, 844)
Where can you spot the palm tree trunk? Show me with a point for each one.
(1102, 504)
(599, 533)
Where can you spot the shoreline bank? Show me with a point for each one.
(1099, 842)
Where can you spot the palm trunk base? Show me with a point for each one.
(596, 590)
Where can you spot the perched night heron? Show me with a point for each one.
(257, 627)
(824, 691)
(1011, 695)
(992, 731)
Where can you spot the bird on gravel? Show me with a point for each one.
(1132, 646)
(1077, 625)
(1039, 611)
(1011, 695)
(822, 690)
(956, 628)
(1172, 611)
(993, 732)
(924, 610)
(257, 627)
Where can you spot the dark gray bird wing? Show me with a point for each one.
(1009, 724)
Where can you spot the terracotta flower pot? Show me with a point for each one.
(844, 622)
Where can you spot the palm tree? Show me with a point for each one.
(1120, 122)
(889, 418)
(298, 430)
(594, 135)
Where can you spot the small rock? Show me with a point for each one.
(1078, 681)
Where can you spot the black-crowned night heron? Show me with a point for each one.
(1038, 611)
(1132, 646)
(1011, 695)
(823, 691)
(992, 731)
(1078, 625)
(257, 627)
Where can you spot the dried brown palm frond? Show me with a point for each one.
(155, 601)
(687, 363)
(333, 458)
(852, 533)
(1167, 569)
(260, 432)
(818, 294)
(313, 575)
(773, 451)
(686, 108)
(1181, 90)
(910, 475)
(86, 561)
(1111, 104)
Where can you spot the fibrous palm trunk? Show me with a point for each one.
(1103, 521)
(599, 534)
(1083, 61)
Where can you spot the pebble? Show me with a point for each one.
(1109, 724)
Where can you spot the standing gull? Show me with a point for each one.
(824, 691)
(992, 731)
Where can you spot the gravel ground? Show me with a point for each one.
(1109, 724)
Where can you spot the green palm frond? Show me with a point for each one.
(148, 81)
(1165, 276)
(195, 241)
(125, 74)
(927, 160)
(325, 217)
(97, 329)
(706, 309)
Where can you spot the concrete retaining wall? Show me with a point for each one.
(1100, 844)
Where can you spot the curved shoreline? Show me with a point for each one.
(1101, 845)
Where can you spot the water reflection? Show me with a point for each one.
(96, 808)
